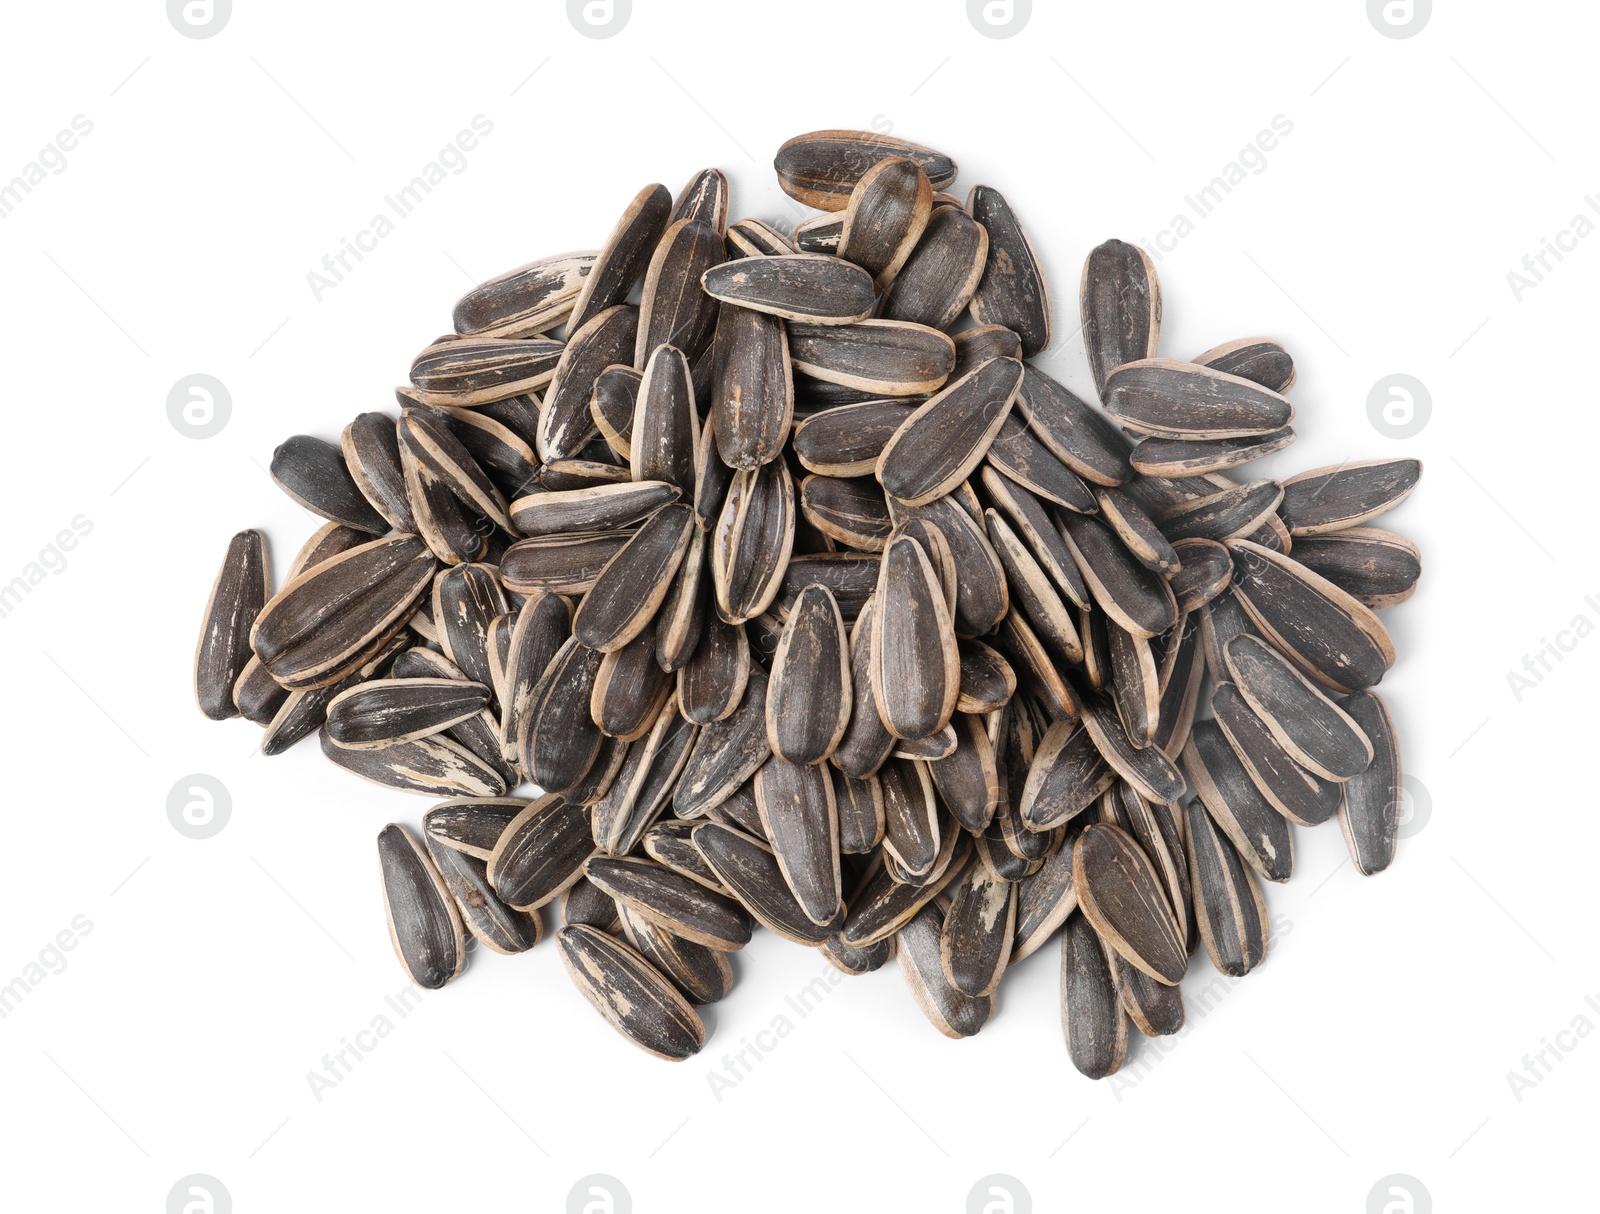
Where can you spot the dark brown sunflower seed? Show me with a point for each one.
(701, 974)
(471, 824)
(919, 950)
(1092, 1019)
(987, 680)
(809, 698)
(1293, 792)
(557, 745)
(861, 812)
(712, 683)
(857, 961)
(968, 780)
(752, 400)
(566, 423)
(1221, 620)
(433, 446)
(1369, 811)
(640, 789)
(301, 713)
(1227, 898)
(1377, 568)
(466, 600)
(1331, 499)
(866, 742)
(597, 508)
(1135, 684)
(883, 357)
(978, 933)
(385, 711)
(567, 563)
(913, 837)
(940, 277)
(946, 438)
(314, 473)
(238, 597)
(542, 626)
(477, 370)
(518, 414)
(799, 286)
(1137, 531)
(673, 901)
(1156, 1010)
(1151, 773)
(1237, 510)
(1121, 895)
(665, 425)
(327, 542)
(1183, 671)
(495, 924)
(939, 745)
(1158, 829)
(584, 903)
(1325, 631)
(1261, 835)
(1012, 291)
(632, 586)
(371, 448)
(752, 540)
(635, 998)
(1036, 669)
(433, 766)
(981, 594)
(524, 302)
(887, 213)
(847, 440)
(1134, 596)
(540, 852)
(1033, 594)
(800, 820)
(748, 868)
(1316, 732)
(915, 665)
(1034, 528)
(624, 256)
(1045, 898)
(682, 617)
(883, 906)
(671, 844)
(256, 694)
(850, 510)
(629, 690)
(1066, 776)
(1172, 399)
(1196, 457)
(501, 452)
(1079, 435)
(1258, 359)
(424, 925)
(1204, 571)
(1120, 298)
(674, 310)
(820, 169)
(442, 519)
(756, 238)
(1018, 454)
(611, 405)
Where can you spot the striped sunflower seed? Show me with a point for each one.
(1136, 597)
(798, 286)
(939, 445)
(1156, 1010)
(630, 690)
(857, 961)
(1092, 1019)
(820, 169)
(1172, 399)
(673, 901)
(819, 234)
(597, 508)
(540, 853)
(471, 824)
(666, 425)
(442, 519)
(1292, 791)
(1261, 835)
(847, 440)
(1369, 811)
(434, 766)
(556, 746)
(748, 868)
(752, 540)
(1150, 772)
(1377, 568)
(711, 684)
(882, 357)
(702, 975)
(490, 920)
(238, 595)
(756, 238)
(671, 844)
(675, 311)
(861, 812)
(1012, 291)
(1258, 359)
(603, 340)
(809, 698)
(525, 302)
(1018, 454)
(424, 925)
(919, 950)
(301, 713)
(979, 931)
(887, 213)
(915, 665)
(1227, 898)
(1120, 894)
(478, 370)
(1138, 532)
(623, 258)
(850, 511)
(371, 448)
(385, 711)
(635, 998)
(640, 791)
(1316, 732)
(634, 583)
(801, 823)
(752, 399)
(941, 275)
(1120, 297)
(584, 903)
(1196, 457)
(1331, 499)
(1204, 570)
(611, 405)
(315, 474)
(466, 600)
(1237, 510)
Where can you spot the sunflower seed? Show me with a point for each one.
(1137, 531)
(433, 766)
(472, 825)
(915, 665)
(1156, 1010)
(945, 439)
(1150, 772)
(747, 867)
(673, 901)
(640, 790)
(857, 961)
(1294, 793)
(701, 974)
(597, 508)
(436, 449)
(756, 238)
(629, 689)
(820, 169)
(1315, 731)
(301, 713)
(1133, 595)
(385, 711)
(314, 473)
(919, 950)
(1258, 359)
(1220, 516)
(371, 448)
(800, 819)
(442, 519)
(1196, 457)
(1120, 894)
(1205, 568)
(968, 780)
(987, 680)
(1045, 897)
(478, 370)
(974, 567)
(672, 844)
(675, 311)
(1172, 399)
(819, 234)
(752, 402)
(583, 903)
(1092, 1019)
(866, 743)
(799, 286)
(1012, 291)
(1331, 499)
(624, 257)
(1018, 454)
(1369, 811)
(611, 406)
(489, 919)
(1033, 595)
(1033, 526)
(632, 586)
(847, 440)
(466, 600)
(540, 852)
(665, 426)
(1261, 835)
(1121, 302)
(912, 837)
(851, 511)
(561, 564)
(1036, 669)
(526, 301)
(1227, 898)
(882, 906)
(1067, 774)
(239, 594)
(1377, 568)
(979, 930)
(1323, 630)
(256, 694)
(940, 745)
(557, 746)
(941, 275)
(635, 998)
(424, 925)
(752, 540)
(882, 357)
(861, 812)
(566, 423)
(887, 213)
(712, 683)
(809, 699)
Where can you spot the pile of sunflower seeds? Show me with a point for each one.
(807, 604)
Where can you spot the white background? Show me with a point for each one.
(1378, 1037)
